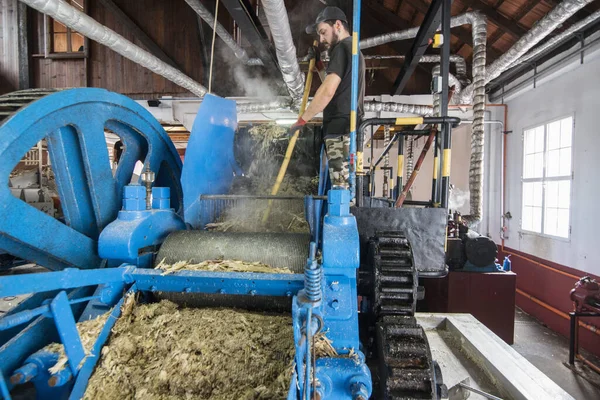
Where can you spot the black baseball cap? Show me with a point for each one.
(327, 14)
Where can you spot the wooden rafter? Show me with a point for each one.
(506, 24)
(463, 34)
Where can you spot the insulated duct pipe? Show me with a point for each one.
(369, 106)
(543, 28)
(222, 32)
(479, 32)
(279, 104)
(378, 106)
(558, 38)
(89, 27)
(453, 81)
(459, 20)
(284, 46)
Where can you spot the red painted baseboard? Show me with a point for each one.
(551, 286)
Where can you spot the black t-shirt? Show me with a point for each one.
(336, 116)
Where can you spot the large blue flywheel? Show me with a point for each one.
(74, 122)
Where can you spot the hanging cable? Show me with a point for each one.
(212, 50)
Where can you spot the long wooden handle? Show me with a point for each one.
(293, 139)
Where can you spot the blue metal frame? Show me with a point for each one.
(73, 122)
(324, 298)
(355, 162)
(209, 160)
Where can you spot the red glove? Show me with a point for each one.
(296, 127)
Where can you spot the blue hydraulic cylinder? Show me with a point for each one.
(136, 229)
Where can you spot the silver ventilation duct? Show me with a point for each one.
(558, 38)
(479, 32)
(459, 20)
(543, 28)
(279, 104)
(377, 106)
(222, 32)
(284, 45)
(453, 81)
(89, 27)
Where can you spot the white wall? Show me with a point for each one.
(574, 92)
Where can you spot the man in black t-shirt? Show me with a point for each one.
(334, 95)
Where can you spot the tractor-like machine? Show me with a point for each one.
(355, 275)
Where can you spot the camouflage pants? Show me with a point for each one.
(338, 154)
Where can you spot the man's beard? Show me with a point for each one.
(335, 39)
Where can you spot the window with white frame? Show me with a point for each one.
(547, 177)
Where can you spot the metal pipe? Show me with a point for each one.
(223, 33)
(464, 19)
(549, 68)
(284, 46)
(89, 27)
(480, 392)
(355, 163)
(558, 38)
(542, 28)
(556, 311)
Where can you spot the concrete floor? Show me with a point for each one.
(549, 352)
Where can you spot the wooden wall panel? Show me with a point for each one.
(172, 25)
(9, 55)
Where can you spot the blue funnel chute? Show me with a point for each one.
(209, 165)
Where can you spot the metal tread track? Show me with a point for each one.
(406, 367)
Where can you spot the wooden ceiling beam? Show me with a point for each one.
(510, 26)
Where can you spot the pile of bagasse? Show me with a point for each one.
(165, 351)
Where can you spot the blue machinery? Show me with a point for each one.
(109, 221)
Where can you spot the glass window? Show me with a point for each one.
(547, 178)
(64, 39)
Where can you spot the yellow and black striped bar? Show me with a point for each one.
(446, 159)
(436, 166)
(399, 168)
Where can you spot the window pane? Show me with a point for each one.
(537, 194)
(76, 42)
(563, 223)
(554, 135)
(528, 170)
(565, 162)
(551, 221)
(60, 42)
(538, 165)
(551, 194)
(529, 142)
(553, 163)
(564, 194)
(58, 27)
(539, 139)
(566, 131)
